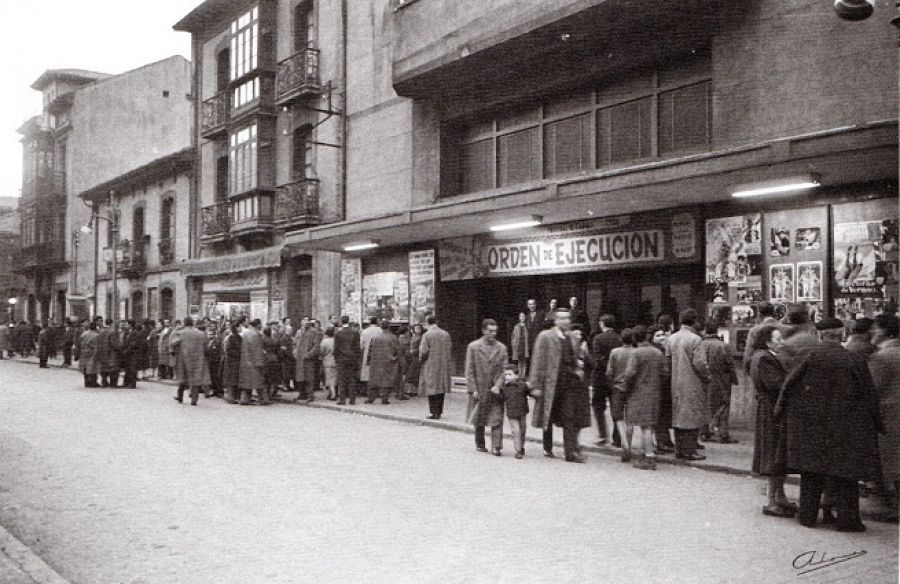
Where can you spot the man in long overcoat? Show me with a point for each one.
(130, 353)
(384, 356)
(690, 410)
(108, 347)
(554, 381)
(718, 357)
(601, 346)
(347, 354)
(231, 364)
(68, 341)
(253, 362)
(436, 353)
(190, 347)
(832, 418)
(365, 338)
(88, 362)
(306, 355)
(486, 361)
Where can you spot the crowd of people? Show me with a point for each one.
(828, 394)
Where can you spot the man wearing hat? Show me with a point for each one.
(832, 417)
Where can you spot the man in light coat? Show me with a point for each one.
(365, 339)
(108, 346)
(384, 356)
(486, 362)
(253, 363)
(190, 347)
(87, 358)
(436, 354)
(690, 410)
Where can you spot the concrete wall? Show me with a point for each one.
(120, 124)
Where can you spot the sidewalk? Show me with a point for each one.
(735, 459)
(20, 565)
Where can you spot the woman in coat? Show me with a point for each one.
(885, 367)
(231, 364)
(152, 348)
(329, 365)
(88, 362)
(415, 366)
(644, 375)
(770, 441)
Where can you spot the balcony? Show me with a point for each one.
(167, 251)
(45, 256)
(50, 184)
(297, 204)
(297, 77)
(134, 260)
(252, 215)
(216, 220)
(215, 115)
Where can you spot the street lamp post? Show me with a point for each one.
(113, 221)
(12, 308)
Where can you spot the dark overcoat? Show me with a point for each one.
(153, 349)
(231, 361)
(414, 366)
(306, 354)
(885, 367)
(832, 415)
(770, 438)
(88, 362)
(722, 371)
(108, 347)
(644, 375)
(384, 354)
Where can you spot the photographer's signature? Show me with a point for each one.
(814, 560)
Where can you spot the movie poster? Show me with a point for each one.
(351, 289)
(865, 258)
(781, 282)
(809, 281)
(386, 296)
(733, 247)
(421, 285)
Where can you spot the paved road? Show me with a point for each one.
(126, 486)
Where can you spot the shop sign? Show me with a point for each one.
(579, 247)
(421, 285)
(232, 282)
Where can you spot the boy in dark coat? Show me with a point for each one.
(515, 394)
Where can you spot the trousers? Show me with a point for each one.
(346, 380)
(518, 426)
(109, 379)
(436, 404)
(844, 491)
(496, 436)
(67, 354)
(570, 439)
(686, 442)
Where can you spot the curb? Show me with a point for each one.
(27, 561)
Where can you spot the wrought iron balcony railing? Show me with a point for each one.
(216, 220)
(297, 203)
(215, 115)
(298, 75)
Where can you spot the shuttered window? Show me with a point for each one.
(567, 145)
(518, 157)
(477, 172)
(685, 117)
(623, 132)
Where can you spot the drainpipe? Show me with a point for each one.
(342, 119)
(194, 195)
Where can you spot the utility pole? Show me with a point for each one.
(114, 231)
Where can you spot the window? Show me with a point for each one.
(685, 118)
(567, 145)
(645, 114)
(245, 93)
(167, 219)
(623, 132)
(152, 300)
(243, 159)
(245, 209)
(302, 158)
(244, 33)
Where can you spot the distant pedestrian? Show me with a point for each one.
(518, 344)
(832, 416)
(644, 376)
(108, 347)
(383, 355)
(329, 365)
(690, 410)
(153, 331)
(306, 354)
(365, 338)
(88, 361)
(347, 354)
(616, 368)
(253, 362)
(719, 359)
(231, 364)
(68, 342)
(486, 362)
(130, 353)
(436, 354)
(602, 345)
(271, 350)
(414, 368)
(193, 372)
(213, 354)
(165, 359)
(885, 367)
(45, 340)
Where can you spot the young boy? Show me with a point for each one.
(515, 394)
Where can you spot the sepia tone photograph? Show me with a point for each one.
(450, 291)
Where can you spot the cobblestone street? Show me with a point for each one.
(127, 486)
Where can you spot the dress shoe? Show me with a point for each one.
(575, 458)
(520, 455)
(701, 447)
(660, 450)
(549, 454)
(777, 511)
(342, 402)
(693, 456)
(626, 456)
(433, 417)
(601, 442)
(179, 399)
(194, 402)
(496, 452)
(481, 449)
(385, 402)
(856, 527)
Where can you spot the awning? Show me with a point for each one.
(269, 257)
